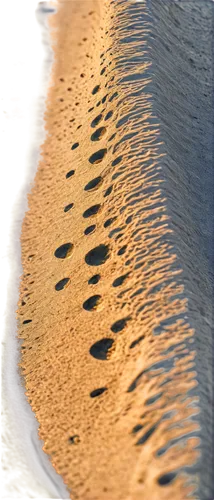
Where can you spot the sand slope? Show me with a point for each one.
(114, 322)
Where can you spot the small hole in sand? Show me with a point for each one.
(99, 350)
(70, 174)
(94, 184)
(137, 341)
(104, 98)
(116, 161)
(97, 255)
(112, 137)
(119, 281)
(109, 115)
(26, 321)
(90, 212)
(62, 284)
(98, 392)
(94, 279)
(64, 251)
(108, 222)
(119, 325)
(95, 89)
(108, 191)
(97, 157)
(98, 134)
(96, 121)
(68, 207)
(75, 145)
(90, 229)
(137, 428)
(113, 96)
(166, 479)
(92, 303)
(74, 439)
(122, 250)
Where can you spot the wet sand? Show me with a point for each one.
(107, 352)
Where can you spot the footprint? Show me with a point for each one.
(100, 349)
(98, 134)
(97, 157)
(62, 284)
(98, 392)
(64, 251)
(94, 184)
(90, 212)
(97, 255)
(92, 303)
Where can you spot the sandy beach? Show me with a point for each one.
(114, 312)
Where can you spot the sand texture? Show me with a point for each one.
(107, 351)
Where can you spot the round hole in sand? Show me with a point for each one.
(94, 279)
(97, 256)
(99, 350)
(119, 325)
(91, 304)
(62, 284)
(98, 156)
(64, 251)
(98, 134)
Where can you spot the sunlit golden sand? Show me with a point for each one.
(107, 353)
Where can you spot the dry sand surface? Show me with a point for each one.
(107, 348)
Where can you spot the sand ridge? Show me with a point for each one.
(107, 352)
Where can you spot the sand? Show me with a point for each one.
(107, 350)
